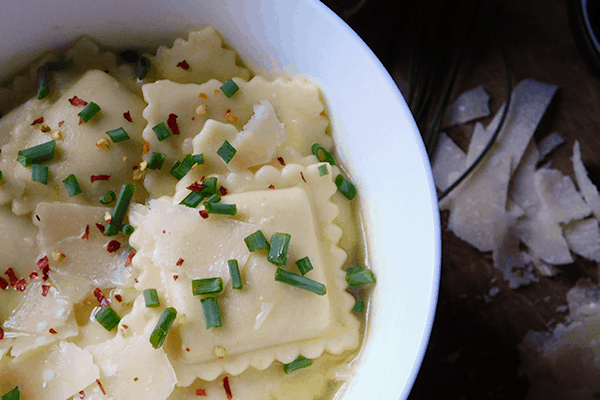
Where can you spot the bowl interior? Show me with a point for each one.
(376, 136)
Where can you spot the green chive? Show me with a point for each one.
(359, 306)
(358, 276)
(278, 252)
(220, 208)
(43, 83)
(0, 176)
(215, 198)
(304, 265)
(322, 154)
(108, 318)
(142, 68)
(234, 271)
(156, 160)
(118, 135)
(210, 186)
(159, 334)
(89, 111)
(12, 395)
(302, 282)
(256, 241)
(229, 88)
(212, 314)
(199, 158)
(108, 197)
(345, 187)
(207, 286)
(323, 170)
(192, 200)
(72, 185)
(226, 152)
(161, 131)
(180, 169)
(151, 298)
(39, 173)
(298, 363)
(118, 214)
(37, 154)
(127, 229)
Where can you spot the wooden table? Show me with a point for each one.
(473, 351)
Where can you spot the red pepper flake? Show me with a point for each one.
(33, 275)
(187, 349)
(201, 392)
(44, 266)
(101, 387)
(183, 64)
(193, 118)
(119, 298)
(86, 235)
(76, 101)
(52, 331)
(12, 276)
(80, 122)
(3, 284)
(1, 333)
(302, 175)
(175, 277)
(129, 258)
(135, 167)
(100, 227)
(135, 280)
(61, 123)
(100, 297)
(146, 148)
(179, 262)
(45, 128)
(227, 388)
(223, 190)
(125, 326)
(95, 178)
(127, 116)
(113, 246)
(196, 187)
(281, 161)
(135, 379)
(203, 95)
(38, 217)
(271, 186)
(172, 123)
(40, 120)
(21, 285)
(82, 394)
(45, 289)
(203, 214)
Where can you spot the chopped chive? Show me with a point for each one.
(0, 176)
(118, 135)
(39, 173)
(226, 151)
(304, 265)
(159, 334)
(322, 154)
(345, 187)
(210, 186)
(215, 198)
(161, 131)
(151, 298)
(229, 88)
(199, 158)
(118, 214)
(359, 306)
(302, 282)
(192, 200)
(43, 83)
(211, 311)
(59, 65)
(256, 241)
(127, 229)
(108, 197)
(72, 185)
(142, 68)
(323, 170)
(234, 271)
(220, 208)
(278, 252)
(37, 154)
(108, 318)
(89, 111)
(298, 363)
(358, 276)
(180, 169)
(156, 160)
(12, 395)
(207, 286)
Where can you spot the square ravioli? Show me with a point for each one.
(267, 320)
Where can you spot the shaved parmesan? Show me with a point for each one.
(470, 105)
(550, 142)
(559, 197)
(587, 187)
(583, 238)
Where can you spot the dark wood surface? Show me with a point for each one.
(473, 351)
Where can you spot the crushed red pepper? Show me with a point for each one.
(100, 227)
(119, 298)
(61, 123)
(95, 178)
(82, 394)
(113, 246)
(12, 276)
(196, 187)
(44, 266)
(76, 101)
(45, 289)
(21, 285)
(1, 333)
(281, 161)
(86, 235)
(184, 65)
(271, 186)
(3, 284)
(33, 275)
(201, 392)
(227, 388)
(146, 148)
(101, 387)
(40, 120)
(52, 331)
(104, 302)
(302, 175)
(127, 116)
(129, 258)
(203, 214)
(175, 277)
(172, 123)
(125, 326)
(179, 262)
(223, 190)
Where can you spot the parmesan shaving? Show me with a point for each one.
(588, 189)
(550, 142)
(470, 105)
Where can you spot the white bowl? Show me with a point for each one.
(376, 135)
